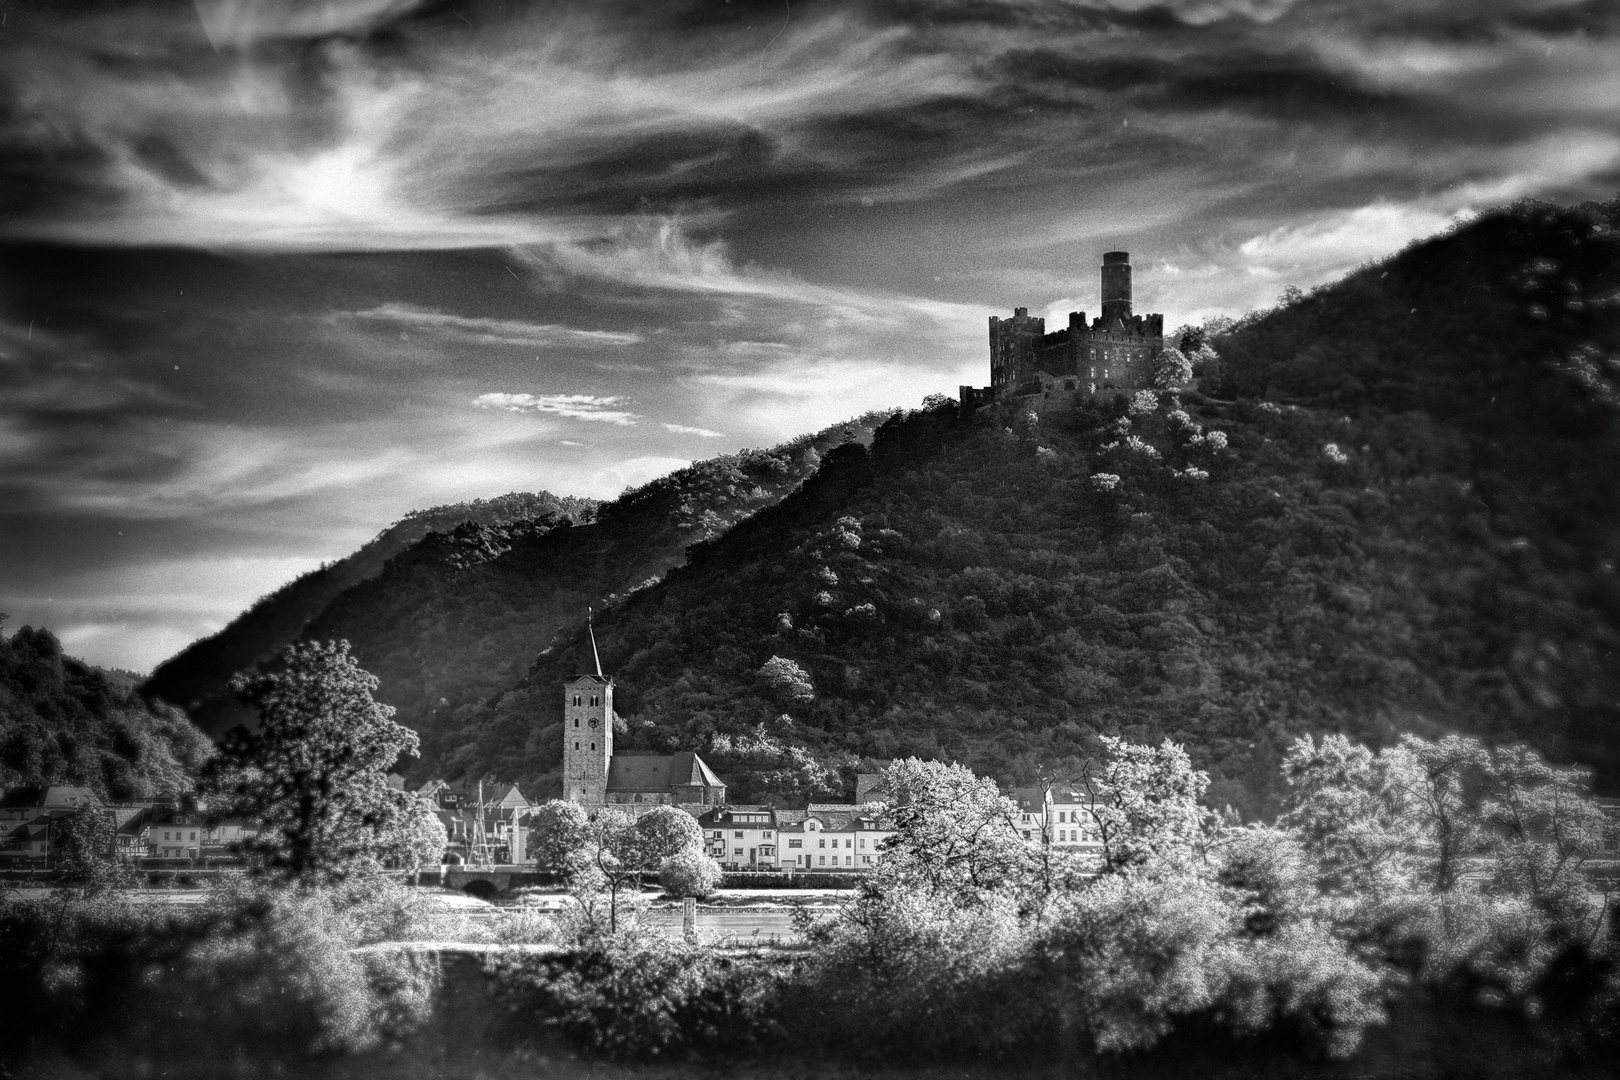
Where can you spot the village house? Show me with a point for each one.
(1056, 815)
(824, 837)
(483, 823)
(31, 817)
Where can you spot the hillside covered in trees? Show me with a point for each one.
(198, 677)
(451, 606)
(63, 721)
(1392, 508)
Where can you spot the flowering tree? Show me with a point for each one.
(955, 833)
(415, 835)
(1171, 369)
(786, 680)
(1144, 803)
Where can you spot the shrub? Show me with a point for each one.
(274, 976)
(690, 873)
(630, 996)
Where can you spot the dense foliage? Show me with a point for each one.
(65, 722)
(271, 977)
(198, 678)
(313, 772)
(1432, 878)
(1390, 509)
(601, 853)
(1229, 573)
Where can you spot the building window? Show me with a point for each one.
(576, 744)
(736, 851)
(576, 721)
(823, 860)
(738, 834)
(849, 860)
(863, 841)
(866, 860)
(821, 843)
(766, 835)
(1026, 834)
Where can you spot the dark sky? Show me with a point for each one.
(274, 273)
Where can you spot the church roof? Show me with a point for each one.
(659, 772)
(586, 676)
(50, 797)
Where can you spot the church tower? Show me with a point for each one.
(587, 735)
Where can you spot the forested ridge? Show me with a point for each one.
(63, 721)
(1390, 506)
(198, 677)
(1410, 527)
(450, 606)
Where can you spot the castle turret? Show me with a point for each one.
(1116, 287)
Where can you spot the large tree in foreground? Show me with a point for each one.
(314, 775)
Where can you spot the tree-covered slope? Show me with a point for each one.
(65, 722)
(460, 616)
(452, 617)
(1425, 544)
(198, 676)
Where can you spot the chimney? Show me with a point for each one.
(1116, 287)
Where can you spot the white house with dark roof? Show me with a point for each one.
(825, 837)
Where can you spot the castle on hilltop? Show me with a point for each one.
(1114, 353)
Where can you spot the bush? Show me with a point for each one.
(691, 873)
(272, 976)
(630, 996)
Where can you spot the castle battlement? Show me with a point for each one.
(1114, 352)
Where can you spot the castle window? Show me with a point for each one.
(576, 744)
(576, 721)
(593, 746)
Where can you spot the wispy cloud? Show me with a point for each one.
(490, 331)
(682, 429)
(574, 406)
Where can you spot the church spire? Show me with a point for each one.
(590, 624)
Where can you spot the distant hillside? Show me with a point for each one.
(459, 614)
(1418, 534)
(64, 721)
(197, 677)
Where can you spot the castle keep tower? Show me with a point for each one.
(1116, 287)
(1115, 352)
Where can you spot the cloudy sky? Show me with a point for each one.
(274, 273)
